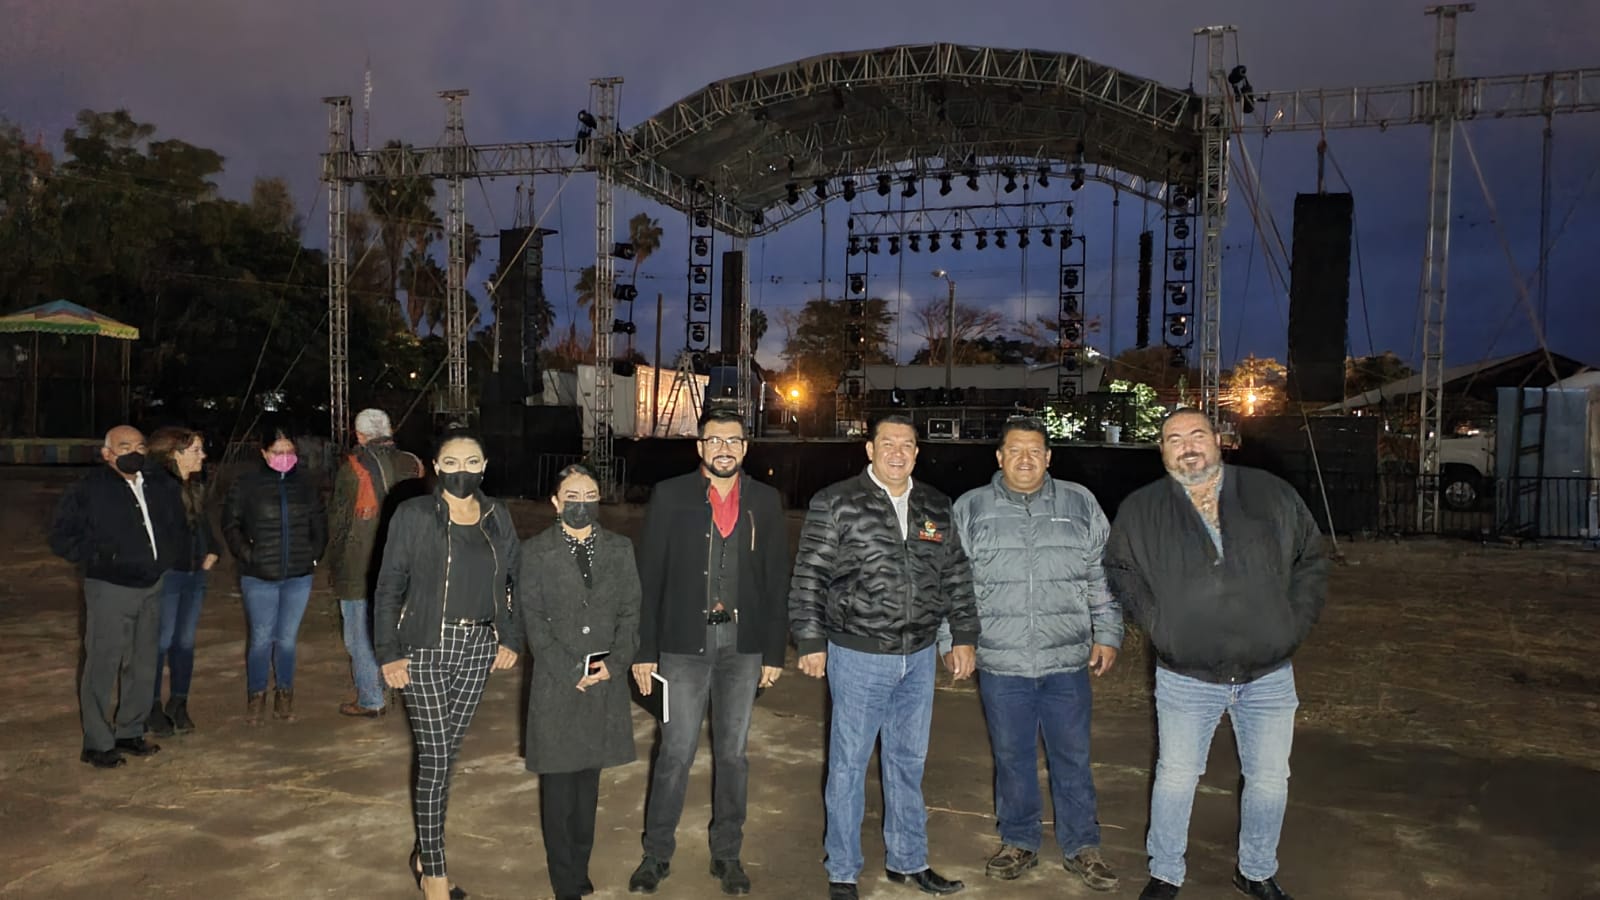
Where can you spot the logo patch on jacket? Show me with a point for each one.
(930, 532)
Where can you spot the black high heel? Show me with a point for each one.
(456, 893)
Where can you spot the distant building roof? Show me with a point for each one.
(1477, 380)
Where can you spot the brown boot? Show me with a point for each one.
(283, 705)
(255, 708)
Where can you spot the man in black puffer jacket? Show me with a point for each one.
(880, 568)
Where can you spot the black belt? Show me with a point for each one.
(470, 623)
(720, 617)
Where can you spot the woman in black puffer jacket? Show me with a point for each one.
(276, 528)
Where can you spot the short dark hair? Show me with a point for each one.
(1030, 424)
(456, 433)
(1161, 430)
(270, 429)
(576, 468)
(889, 419)
(722, 416)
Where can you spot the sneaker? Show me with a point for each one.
(1010, 862)
(649, 875)
(1092, 868)
(1266, 889)
(731, 874)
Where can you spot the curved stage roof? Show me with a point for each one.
(930, 109)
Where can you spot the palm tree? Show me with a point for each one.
(758, 328)
(644, 233)
(585, 289)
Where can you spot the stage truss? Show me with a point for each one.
(744, 155)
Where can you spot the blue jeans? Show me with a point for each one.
(1017, 709)
(878, 695)
(274, 610)
(181, 594)
(357, 616)
(1187, 713)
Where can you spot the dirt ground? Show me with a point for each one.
(1448, 746)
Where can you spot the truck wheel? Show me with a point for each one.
(1461, 489)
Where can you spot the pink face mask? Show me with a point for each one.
(282, 462)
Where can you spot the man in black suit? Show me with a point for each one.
(714, 565)
(124, 532)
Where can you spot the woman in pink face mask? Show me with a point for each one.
(275, 525)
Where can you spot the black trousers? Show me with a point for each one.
(567, 803)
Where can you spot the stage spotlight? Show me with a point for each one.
(792, 193)
(894, 244)
(884, 182)
(933, 242)
(955, 240)
(1178, 359)
(702, 247)
(1071, 332)
(1000, 238)
(914, 241)
(1071, 211)
(1180, 229)
(983, 239)
(1022, 237)
(700, 274)
(1071, 304)
(1178, 327)
(872, 244)
(587, 120)
(1048, 235)
(1077, 178)
(1180, 261)
(944, 185)
(821, 187)
(1044, 176)
(1069, 391)
(1178, 294)
(911, 186)
(701, 220)
(620, 327)
(858, 284)
(1011, 179)
(972, 179)
(1070, 278)
(849, 189)
(622, 250)
(627, 293)
(855, 245)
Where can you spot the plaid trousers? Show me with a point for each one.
(446, 685)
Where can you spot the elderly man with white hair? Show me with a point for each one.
(356, 520)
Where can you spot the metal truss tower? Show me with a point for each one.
(333, 172)
(602, 152)
(1177, 285)
(458, 162)
(1436, 262)
(1215, 130)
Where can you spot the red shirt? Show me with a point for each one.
(724, 510)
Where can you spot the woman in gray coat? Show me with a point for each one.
(577, 594)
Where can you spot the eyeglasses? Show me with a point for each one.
(718, 442)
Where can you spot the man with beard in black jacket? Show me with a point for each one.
(880, 568)
(1223, 567)
(713, 565)
(124, 532)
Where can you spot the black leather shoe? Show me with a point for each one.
(102, 759)
(928, 880)
(731, 874)
(649, 875)
(587, 889)
(1261, 890)
(159, 723)
(138, 746)
(1156, 889)
(842, 890)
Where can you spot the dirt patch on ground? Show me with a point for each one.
(1448, 746)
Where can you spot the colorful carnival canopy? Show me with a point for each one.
(66, 317)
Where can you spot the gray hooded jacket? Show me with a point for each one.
(1037, 569)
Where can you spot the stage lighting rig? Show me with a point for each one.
(983, 239)
(884, 183)
(820, 187)
(910, 182)
(944, 185)
(955, 240)
(792, 193)
(849, 189)
(1044, 176)
(1000, 238)
(625, 293)
(1011, 179)
(1048, 236)
(894, 244)
(1022, 237)
(620, 327)
(914, 241)
(872, 244)
(933, 242)
(855, 245)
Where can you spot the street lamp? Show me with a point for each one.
(950, 334)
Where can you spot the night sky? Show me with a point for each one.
(246, 80)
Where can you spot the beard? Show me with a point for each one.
(1193, 477)
(721, 468)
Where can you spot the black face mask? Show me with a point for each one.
(461, 484)
(130, 463)
(579, 514)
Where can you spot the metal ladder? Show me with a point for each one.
(1526, 491)
(683, 378)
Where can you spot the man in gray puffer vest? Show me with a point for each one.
(1036, 546)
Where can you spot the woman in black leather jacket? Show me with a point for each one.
(275, 526)
(442, 611)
